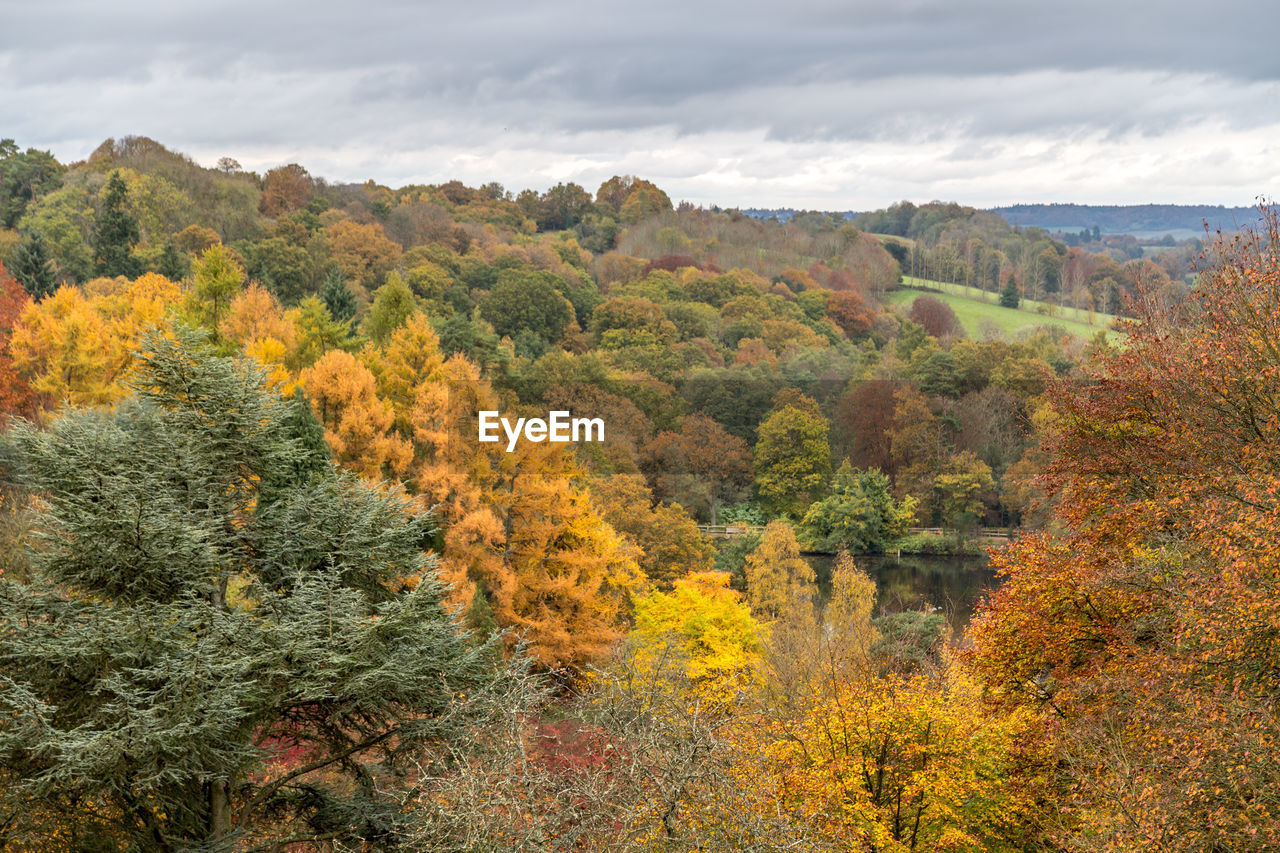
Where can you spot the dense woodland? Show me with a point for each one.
(1085, 270)
(1130, 219)
(263, 589)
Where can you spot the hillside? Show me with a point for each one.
(1180, 220)
(979, 311)
(255, 520)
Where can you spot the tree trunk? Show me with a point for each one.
(219, 809)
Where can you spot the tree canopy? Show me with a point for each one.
(227, 643)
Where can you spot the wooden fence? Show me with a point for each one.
(733, 531)
(728, 531)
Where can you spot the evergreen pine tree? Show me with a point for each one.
(1009, 296)
(313, 458)
(24, 177)
(337, 296)
(171, 263)
(32, 268)
(117, 234)
(225, 640)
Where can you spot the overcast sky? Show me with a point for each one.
(805, 103)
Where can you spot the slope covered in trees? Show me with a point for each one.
(263, 582)
(1145, 633)
(1129, 219)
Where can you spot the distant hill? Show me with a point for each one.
(786, 214)
(1137, 219)
(1140, 220)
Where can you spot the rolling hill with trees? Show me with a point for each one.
(263, 588)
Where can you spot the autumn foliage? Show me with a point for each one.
(16, 397)
(78, 344)
(663, 688)
(1148, 629)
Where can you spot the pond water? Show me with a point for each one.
(952, 584)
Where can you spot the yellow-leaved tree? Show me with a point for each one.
(523, 547)
(699, 639)
(256, 323)
(778, 578)
(898, 763)
(408, 364)
(860, 752)
(357, 423)
(77, 345)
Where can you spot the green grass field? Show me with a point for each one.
(972, 306)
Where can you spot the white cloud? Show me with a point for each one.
(822, 104)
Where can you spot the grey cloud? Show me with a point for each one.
(566, 81)
(615, 48)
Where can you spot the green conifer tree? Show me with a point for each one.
(172, 264)
(226, 643)
(1009, 296)
(32, 267)
(117, 234)
(337, 296)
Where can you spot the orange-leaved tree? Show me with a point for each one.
(16, 396)
(701, 466)
(668, 543)
(1150, 627)
(523, 545)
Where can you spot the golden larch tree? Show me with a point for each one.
(357, 423)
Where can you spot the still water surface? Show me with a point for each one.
(952, 584)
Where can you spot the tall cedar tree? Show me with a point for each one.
(117, 234)
(32, 267)
(337, 296)
(227, 643)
